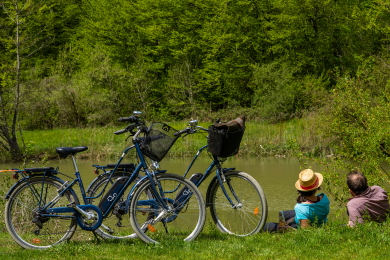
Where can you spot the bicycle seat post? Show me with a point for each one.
(74, 164)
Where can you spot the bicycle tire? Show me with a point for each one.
(246, 219)
(114, 226)
(184, 222)
(20, 213)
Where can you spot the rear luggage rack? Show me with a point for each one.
(51, 170)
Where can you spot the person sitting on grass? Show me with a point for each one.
(367, 203)
(310, 208)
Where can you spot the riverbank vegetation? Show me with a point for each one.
(329, 242)
(260, 139)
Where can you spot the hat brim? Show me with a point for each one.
(320, 179)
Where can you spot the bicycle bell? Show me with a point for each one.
(193, 123)
(137, 113)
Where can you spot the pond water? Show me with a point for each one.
(276, 176)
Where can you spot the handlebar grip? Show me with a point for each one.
(180, 132)
(131, 119)
(120, 131)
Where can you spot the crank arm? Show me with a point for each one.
(71, 209)
(153, 221)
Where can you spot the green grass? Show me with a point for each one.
(260, 139)
(370, 241)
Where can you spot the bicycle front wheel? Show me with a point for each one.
(183, 219)
(249, 213)
(24, 214)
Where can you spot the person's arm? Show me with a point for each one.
(304, 223)
(355, 217)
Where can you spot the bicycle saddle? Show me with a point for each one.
(65, 151)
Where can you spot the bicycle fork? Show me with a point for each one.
(221, 180)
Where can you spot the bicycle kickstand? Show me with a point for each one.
(97, 238)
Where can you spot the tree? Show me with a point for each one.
(24, 33)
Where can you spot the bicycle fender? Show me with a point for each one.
(39, 175)
(163, 171)
(95, 180)
(208, 193)
(131, 192)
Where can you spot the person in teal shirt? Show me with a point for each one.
(310, 208)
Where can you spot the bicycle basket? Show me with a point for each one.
(158, 141)
(222, 143)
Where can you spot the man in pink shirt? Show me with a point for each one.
(368, 203)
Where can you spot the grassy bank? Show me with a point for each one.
(331, 242)
(260, 139)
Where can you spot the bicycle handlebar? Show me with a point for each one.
(131, 119)
(181, 132)
(131, 127)
(119, 132)
(189, 130)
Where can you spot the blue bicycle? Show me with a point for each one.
(236, 200)
(43, 210)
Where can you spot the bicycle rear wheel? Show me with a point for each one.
(23, 214)
(247, 217)
(183, 220)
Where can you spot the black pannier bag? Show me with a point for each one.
(225, 138)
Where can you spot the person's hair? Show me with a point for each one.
(357, 182)
(301, 198)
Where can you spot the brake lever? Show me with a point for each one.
(132, 132)
(185, 135)
(191, 131)
(128, 138)
(130, 129)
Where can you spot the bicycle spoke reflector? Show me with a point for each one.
(36, 241)
(256, 211)
(151, 228)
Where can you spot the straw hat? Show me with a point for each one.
(309, 180)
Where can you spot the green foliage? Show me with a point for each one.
(280, 95)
